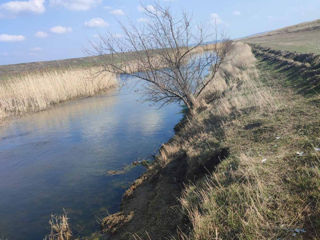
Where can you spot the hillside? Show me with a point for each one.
(302, 38)
(245, 167)
(47, 65)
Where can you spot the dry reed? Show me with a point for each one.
(32, 92)
(59, 228)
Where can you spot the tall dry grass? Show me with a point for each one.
(236, 88)
(59, 228)
(32, 92)
(237, 85)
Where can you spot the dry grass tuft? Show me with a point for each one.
(237, 85)
(32, 92)
(59, 228)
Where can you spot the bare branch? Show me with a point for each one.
(167, 53)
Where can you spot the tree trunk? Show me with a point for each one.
(192, 105)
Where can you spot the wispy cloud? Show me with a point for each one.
(60, 29)
(96, 22)
(142, 20)
(117, 12)
(236, 13)
(76, 5)
(215, 19)
(146, 8)
(11, 38)
(41, 34)
(14, 8)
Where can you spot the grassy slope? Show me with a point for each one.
(264, 189)
(303, 38)
(234, 167)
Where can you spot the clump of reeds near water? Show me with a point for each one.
(36, 91)
(59, 228)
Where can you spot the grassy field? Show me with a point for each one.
(74, 63)
(302, 38)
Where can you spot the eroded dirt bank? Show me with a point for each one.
(245, 167)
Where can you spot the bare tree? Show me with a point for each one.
(168, 53)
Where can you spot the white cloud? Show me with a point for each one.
(107, 7)
(41, 34)
(96, 22)
(13, 8)
(142, 20)
(60, 29)
(117, 12)
(236, 13)
(76, 5)
(215, 19)
(11, 38)
(148, 8)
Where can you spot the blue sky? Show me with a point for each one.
(37, 30)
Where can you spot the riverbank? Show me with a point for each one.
(245, 167)
(38, 90)
(33, 87)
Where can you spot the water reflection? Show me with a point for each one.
(59, 158)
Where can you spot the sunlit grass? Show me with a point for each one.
(36, 91)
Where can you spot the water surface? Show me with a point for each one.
(58, 159)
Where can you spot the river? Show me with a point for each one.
(58, 159)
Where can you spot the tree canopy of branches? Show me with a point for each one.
(168, 53)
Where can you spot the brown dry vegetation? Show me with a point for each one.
(237, 167)
(59, 228)
(36, 91)
(266, 188)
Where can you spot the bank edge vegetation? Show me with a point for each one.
(246, 166)
(38, 90)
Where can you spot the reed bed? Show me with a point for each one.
(37, 91)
